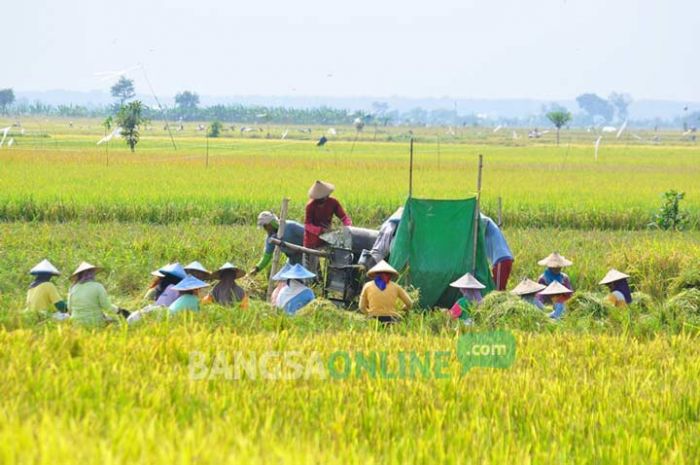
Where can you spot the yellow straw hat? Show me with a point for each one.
(321, 190)
(554, 260)
(527, 286)
(612, 276)
(382, 267)
(556, 288)
(84, 266)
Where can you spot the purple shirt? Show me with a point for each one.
(168, 296)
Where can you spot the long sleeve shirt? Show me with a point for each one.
(319, 217)
(375, 302)
(293, 234)
(87, 301)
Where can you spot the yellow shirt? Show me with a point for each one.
(375, 302)
(42, 298)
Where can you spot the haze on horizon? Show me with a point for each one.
(548, 49)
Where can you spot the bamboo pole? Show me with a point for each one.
(276, 253)
(476, 214)
(299, 248)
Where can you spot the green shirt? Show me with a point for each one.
(185, 302)
(87, 302)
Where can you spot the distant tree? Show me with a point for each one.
(187, 102)
(215, 129)
(621, 102)
(559, 119)
(596, 106)
(7, 98)
(130, 119)
(123, 90)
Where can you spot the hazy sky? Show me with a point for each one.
(548, 49)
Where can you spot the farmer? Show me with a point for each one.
(319, 217)
(188, 290)
(379, 296)
(295, 294)
(197, 270)
(470, 288)
(88, 299)
(151, 293)
(527, 290)
(498, 253)
(558, 294)
(620, 294)
(165, 292)
(554, 263)
(382, 246)
(227, 291)
(293, 234)
(42, 296)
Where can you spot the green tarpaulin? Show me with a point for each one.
(434, 246)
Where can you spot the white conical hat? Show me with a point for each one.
(382, 267)
(196, 266)
(556, 288)
(45, 266)
(612, 276)
(320, 190)
(527, 286)
(554, 260)
(84, 266)
(157, 274)
(467, 282)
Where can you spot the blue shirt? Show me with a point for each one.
(293, 233)
(497, 248)
(185, 302)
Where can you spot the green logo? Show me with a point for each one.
(494, 349)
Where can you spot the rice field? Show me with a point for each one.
(603, 386)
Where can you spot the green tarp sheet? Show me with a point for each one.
(434, 246)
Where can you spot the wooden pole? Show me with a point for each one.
(410, 173)
(299, 248)
(276, 254)
(476, 213)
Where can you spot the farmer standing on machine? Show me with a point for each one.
(293, 234)
(319, 217)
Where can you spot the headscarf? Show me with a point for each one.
(623, 287)
(381, 280)
(85, 276)
(472, 295)
(226, 291)
(550, 276)
(40, 278)
(164, 282)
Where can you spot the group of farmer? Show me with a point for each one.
(176, 288)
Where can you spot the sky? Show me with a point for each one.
(541, 49)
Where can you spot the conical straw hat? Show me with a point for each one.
(382, 267)
(84, 266)
(190, 283)
(554, 260)
(45, 266)
(320, 190)
(467, 282)
(157, 274)
(228, 266)
(612, 276)
(556, 288)
(527, 286)
(196, 266)
(174, 269)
